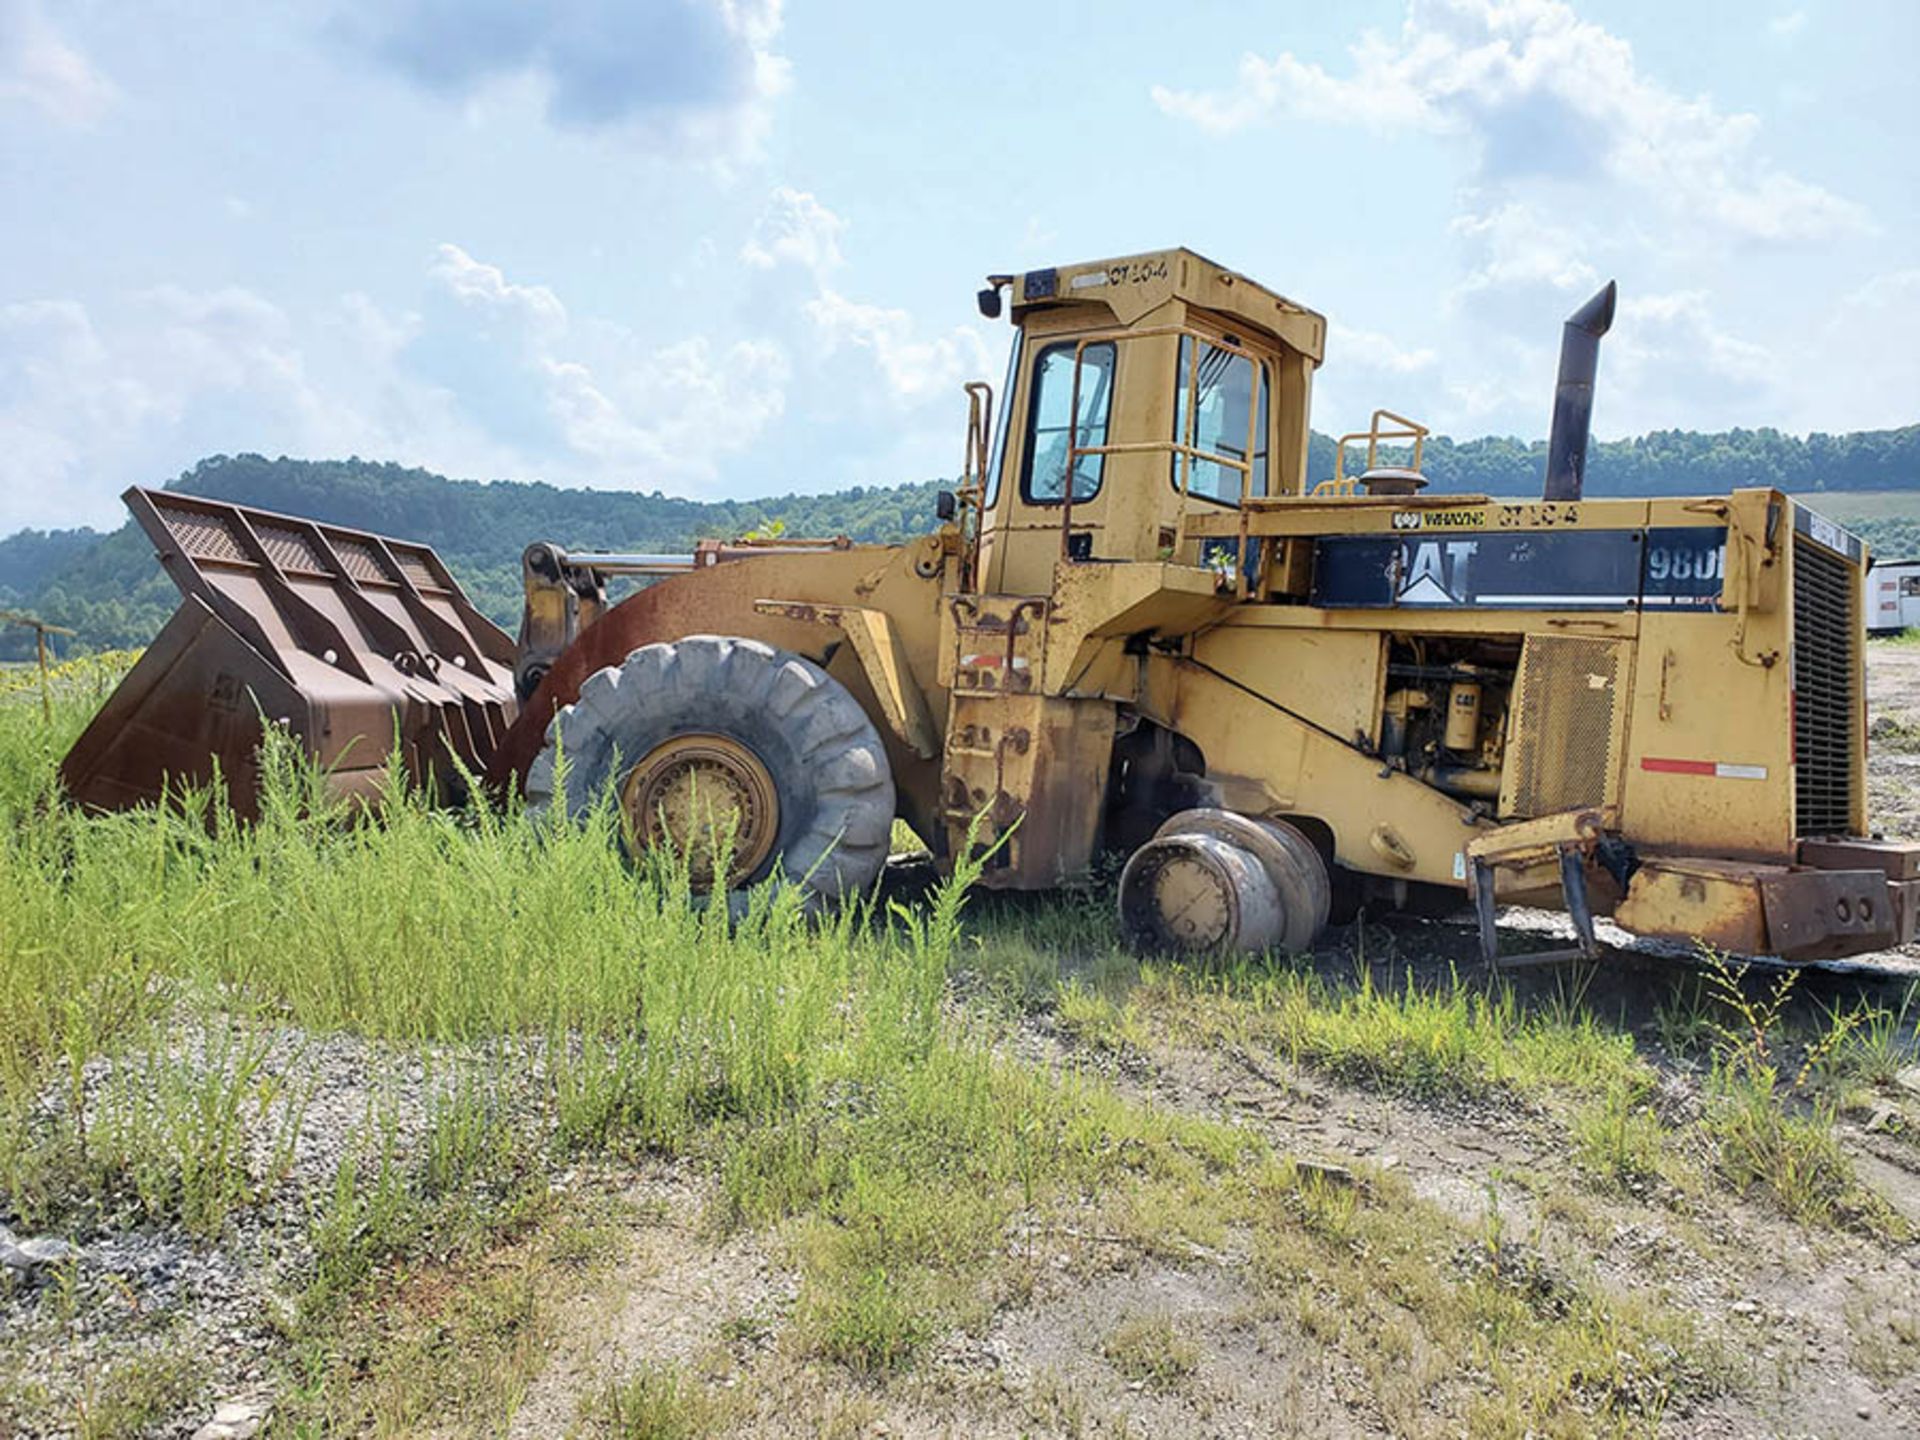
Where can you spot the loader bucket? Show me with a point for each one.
(350, 640)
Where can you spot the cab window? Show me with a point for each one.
(1224, 391)
(1050, 427)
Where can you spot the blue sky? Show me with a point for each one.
(728, 247)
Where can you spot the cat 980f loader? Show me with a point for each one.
(1139, 626)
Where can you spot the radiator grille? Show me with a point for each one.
(1562, 754)
(1825, 632)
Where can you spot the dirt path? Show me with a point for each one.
(1806, 1316)
(673, 1297)
(1801, 1306)
(1893, 753)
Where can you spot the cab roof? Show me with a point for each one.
(1132, 285)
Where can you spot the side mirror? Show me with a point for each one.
(989, 301)
(945, 505)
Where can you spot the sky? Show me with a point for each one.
(729, 247)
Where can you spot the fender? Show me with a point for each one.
(877, 645)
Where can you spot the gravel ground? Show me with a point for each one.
(135, 1291)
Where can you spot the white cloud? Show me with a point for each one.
(1369, 350)
(40, 67)
(701, 404)
(1670, 363)
(486, 288)
(1786, 26)
(911, 367)
(491, 373)
(93, 398)
(88, 402)
(1538, 93)
(1366, 369)
(1832, 389)
(1578, 164)
(622, 412)
(1514, 248)
(1288, 85)
(795, 229)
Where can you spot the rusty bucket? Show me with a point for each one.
(350, 640)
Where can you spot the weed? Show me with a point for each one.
(457, 1333)
(657, 1403)
(1452, 1039)
(744, 1329)
(1885, 1334)
(1684, 1017)
(1099, 1021)
(1773, 1133)
(1149, 1349)
(1417, 1301)
(1877, 1042)
(132, 1397)
(546, 985)
(872, 1324)
(1619, 1140)
(1788, 1151)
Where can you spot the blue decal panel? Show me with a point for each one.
(1686, 567)
(1671, 568)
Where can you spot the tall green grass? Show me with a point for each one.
(149, 960)
(538, 996)
(419, 925)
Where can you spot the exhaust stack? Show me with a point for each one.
(1573, 396)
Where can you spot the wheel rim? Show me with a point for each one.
(1291, 862)
(1195, 893)
(694, 791)
(1191, 902)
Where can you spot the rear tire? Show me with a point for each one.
(1288, 860)
(1195, 893)
(762, 727)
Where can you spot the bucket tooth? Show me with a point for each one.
(355, 642)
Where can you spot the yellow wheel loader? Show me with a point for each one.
(1139, 626)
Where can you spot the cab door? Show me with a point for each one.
(1022, 538)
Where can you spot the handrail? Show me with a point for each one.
(973, 477)
(1410, 430)
(1183, 447)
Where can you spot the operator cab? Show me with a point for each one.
(1137, 391)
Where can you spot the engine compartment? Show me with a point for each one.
(1445, 712)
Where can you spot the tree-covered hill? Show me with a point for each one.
(107, 588)
(110, 591)
(1684, 462)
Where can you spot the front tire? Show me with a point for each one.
(713, 732)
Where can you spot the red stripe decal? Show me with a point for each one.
(1677, 767)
